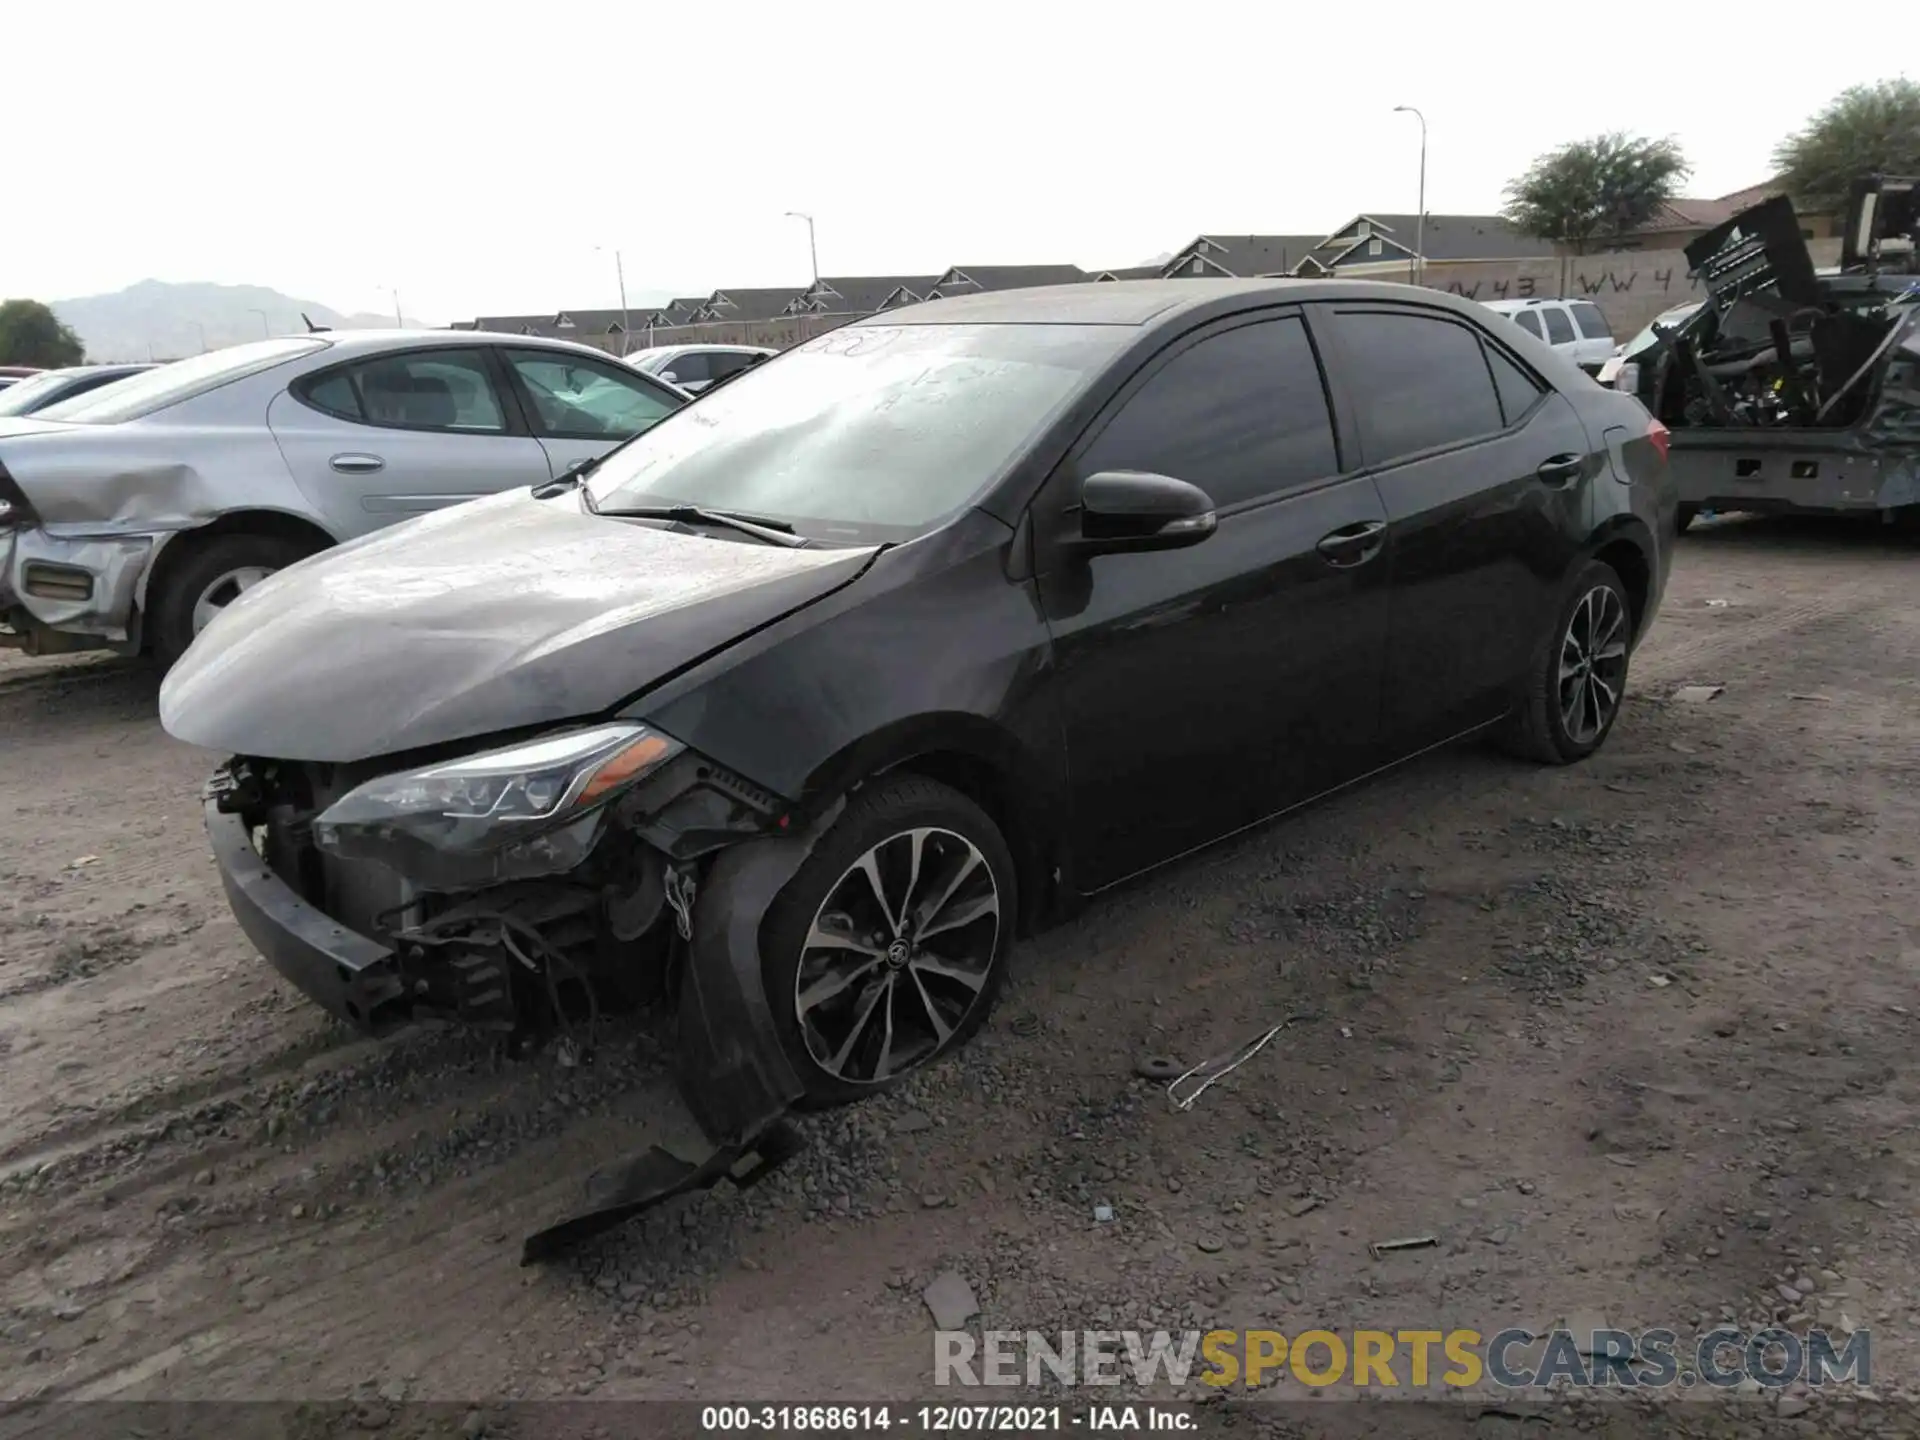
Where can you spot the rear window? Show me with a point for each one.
(1593, 325)
(165, 385)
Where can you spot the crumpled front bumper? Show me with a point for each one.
(84, 589)
(733, 1073)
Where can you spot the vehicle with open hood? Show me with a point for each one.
(798, 707)
(1789, 388)
(131, 514)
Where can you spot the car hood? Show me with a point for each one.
(490, 616)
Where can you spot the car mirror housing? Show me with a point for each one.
(1134, 510)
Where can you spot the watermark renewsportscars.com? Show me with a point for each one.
(1511, 1359)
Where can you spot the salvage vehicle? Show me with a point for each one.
(131, 515)
(1791, 389)
(798, 707)
(50, 387)
(695, 367)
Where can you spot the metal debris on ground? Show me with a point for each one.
(1025, 1025)
(1696, 694)
(1103, 1213)
(1163, 1068)
(950, 1300)
(1823, 699)
(1717, 604)
(1377, 1248)
(1209, 1071)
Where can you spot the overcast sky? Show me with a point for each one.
(473, 155)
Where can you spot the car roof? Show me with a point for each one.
(352, 342)
(653, 350)
(1506, 305)
(1142, 303)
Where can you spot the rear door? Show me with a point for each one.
(375, 440)
(579, 407)
(1204, 689)
(1487, 478)
(691, 370)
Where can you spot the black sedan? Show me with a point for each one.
(800, 706)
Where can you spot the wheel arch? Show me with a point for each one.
(986, 762)
(176, 547)
(1625, 544)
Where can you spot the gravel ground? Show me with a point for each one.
(1627, 1039)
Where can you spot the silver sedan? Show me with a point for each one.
(131, 515)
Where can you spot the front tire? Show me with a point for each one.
(888, 947)
(212, 576)
(1579, 673)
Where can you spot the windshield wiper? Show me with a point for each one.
(774, 532)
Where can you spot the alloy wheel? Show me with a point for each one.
(898, 955)
(1593, 664)
(223, 590)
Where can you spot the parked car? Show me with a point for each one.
(129, 516)
(11, 375)
(49, 387)
(1789, 388)
(695, 367)
(819, 692)
(1575, 328)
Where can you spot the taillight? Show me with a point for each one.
(1660, 436)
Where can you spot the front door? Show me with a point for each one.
(1207, 688)
(376, 440)
(1486, 473)
(581, 408)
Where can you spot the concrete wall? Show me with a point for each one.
(1629, 286)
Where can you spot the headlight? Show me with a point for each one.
(531, 809)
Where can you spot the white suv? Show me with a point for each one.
(1575, 328)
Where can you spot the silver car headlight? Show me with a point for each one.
(536, 808)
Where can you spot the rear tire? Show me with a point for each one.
(1687, 514)
(212, 574)
(881, 998)
(1578, 675)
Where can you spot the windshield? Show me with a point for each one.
(869, 433)
(21, 398)
(165, 385)
(1666, 320)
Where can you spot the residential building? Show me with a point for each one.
(860, 294)
(1679, 223)
(1131, 272)
(1367, 244)
(973, 279)
(761, 304)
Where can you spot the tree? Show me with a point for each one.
(1866, 130)
(1596, 189)
(31, 334)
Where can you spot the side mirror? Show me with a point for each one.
(575, 468)
(1124, 511)
(670, 377)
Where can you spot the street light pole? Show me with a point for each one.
(398, 322)
(203, 336)
(265, 328)
(1420, 221)
(813, 251)
(620, 274)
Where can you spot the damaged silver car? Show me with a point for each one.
(132, 515)
(1788, 388)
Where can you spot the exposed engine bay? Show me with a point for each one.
(1778, 345)
(535, 939)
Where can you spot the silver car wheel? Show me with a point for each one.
(1593, 664)
(898, 955)
(222, 591)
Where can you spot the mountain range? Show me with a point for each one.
(159, 320)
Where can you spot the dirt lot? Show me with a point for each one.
(1632, 1039)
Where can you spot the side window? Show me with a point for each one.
(1241, 414)
(1529, 322)
(429, 390)
(727, 363)
(580, 399)
(1418, 382)
(1593, 325)
(1559, 328)
(1517, 389)
(689, 369)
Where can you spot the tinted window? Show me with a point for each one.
(425, 390)
(1518, 390)
(1559, 328)
(166, 385)
(1529, 322)
(871, 432)
(579, 399)
(688, 369)
(1241, 414)
(722, 363)
(1417, 382)
(1592, 323)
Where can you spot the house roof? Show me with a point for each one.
(864, 294)
(1707, 214)
(596, 322)
(1242, 255)
(515, 324)
(759, 304)
(1446, 237)
(1130, 272)
(1008, 277)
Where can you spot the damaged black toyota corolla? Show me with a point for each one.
(798, 707)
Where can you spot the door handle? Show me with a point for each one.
(357, 464)
(1561, 470)
(1353, 544)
